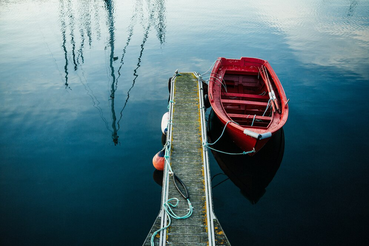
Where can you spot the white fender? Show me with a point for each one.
(257, 135)
(164, 123)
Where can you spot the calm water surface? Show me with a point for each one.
(83, 89)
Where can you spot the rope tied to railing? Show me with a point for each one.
(210, 68)
(207, 145)
(229, 153)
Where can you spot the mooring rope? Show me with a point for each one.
(212, 65)
(205, 144)
(225, 126)
(220, 81)
(229, 153)
(170, 103)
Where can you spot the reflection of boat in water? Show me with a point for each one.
(252, 174)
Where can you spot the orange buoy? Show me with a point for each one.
(159, 160)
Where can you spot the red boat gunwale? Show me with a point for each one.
(241, 96)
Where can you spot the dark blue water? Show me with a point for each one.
(83, 87)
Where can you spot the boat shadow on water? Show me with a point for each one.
(252, 174)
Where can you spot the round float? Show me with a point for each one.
(159, 160)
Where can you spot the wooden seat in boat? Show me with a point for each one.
(244, 102)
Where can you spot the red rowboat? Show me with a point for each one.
(249, 100)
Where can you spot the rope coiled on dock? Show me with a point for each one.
(169, 211)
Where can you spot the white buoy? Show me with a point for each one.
(164, 123)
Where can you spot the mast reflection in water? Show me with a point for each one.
(252, 174)
(150, 15)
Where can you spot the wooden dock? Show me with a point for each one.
(189, 161)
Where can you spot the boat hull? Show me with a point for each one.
(249, 100)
